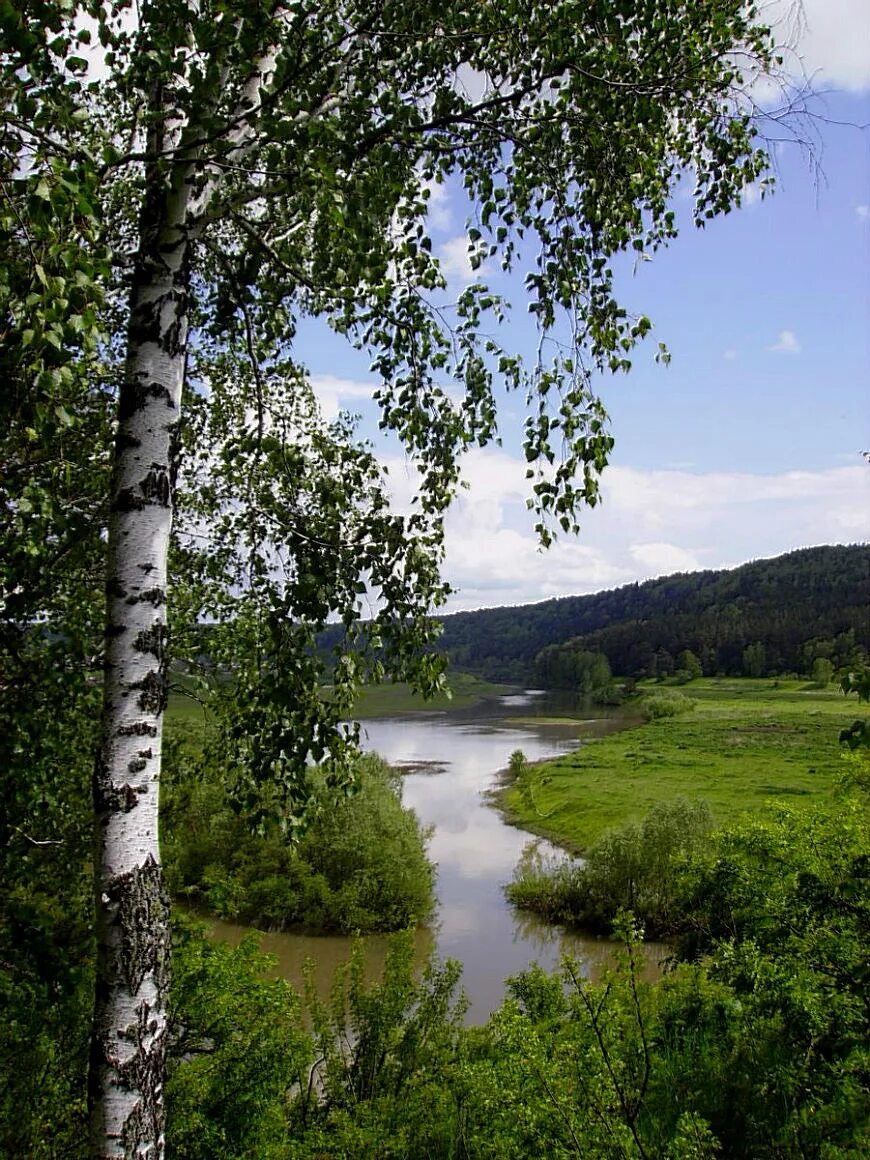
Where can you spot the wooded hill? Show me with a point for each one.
(768, 616)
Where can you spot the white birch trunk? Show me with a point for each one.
(129, 1033)
(128, 1043)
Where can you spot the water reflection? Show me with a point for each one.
(474, 849)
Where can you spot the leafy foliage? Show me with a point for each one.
(632, 868)
(781, 905)
(360, 865)
(585, 673)
(857, 736)
(238, 1050)
(386, 1052)
(755, 1050)
(670, 704)
(752, 1048)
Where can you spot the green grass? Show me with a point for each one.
(393, 700)
(186, 713)
(745, 742)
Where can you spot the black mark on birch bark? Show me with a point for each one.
(155, 596)
(152, 640)
(155, 487)
(152, 692)
(112, 799)
(135, 395)
(174, 453)
(137, 729)
(128, 501)
(142, 913)
(124, 441)
(100, 783)
(142, 1072)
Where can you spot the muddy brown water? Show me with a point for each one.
(450, 761)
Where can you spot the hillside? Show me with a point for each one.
(805, 604)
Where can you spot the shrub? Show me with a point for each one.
(666, 705)
(630, 868)
(237, 1050)
(361, 864)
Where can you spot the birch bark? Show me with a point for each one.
(128, 1043)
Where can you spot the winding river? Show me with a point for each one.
(449, 761)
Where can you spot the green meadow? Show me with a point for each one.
(744, 743)
(188, 714)
(390, 700)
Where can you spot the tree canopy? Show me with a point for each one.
(182, 185)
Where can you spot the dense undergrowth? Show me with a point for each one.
(753, 1046)
(634, 867)
(359, 865)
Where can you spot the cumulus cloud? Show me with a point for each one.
(786, 343)
(863, 212)
(454, 259)
(659, 558)
(752, 193)
(651, 523)
(438, 205)
(337, 394)
(833, 41)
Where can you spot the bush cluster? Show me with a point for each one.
(752, 1047)
(360, 865)
(630, 868)
(668, 704)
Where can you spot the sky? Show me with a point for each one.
(750, 442)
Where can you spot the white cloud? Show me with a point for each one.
(650, 524)
(752, 193)
(455, 262)
(438, 205)
(730, 355)
(336, 394)
(658, 559)
(863, 212)
(832, 43)
(786, 343)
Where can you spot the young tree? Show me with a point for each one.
(688, 663)
(250, 165)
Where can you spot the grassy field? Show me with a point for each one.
(393, 700)
(745, 742)
(186, 712)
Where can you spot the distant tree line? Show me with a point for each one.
(771, 616)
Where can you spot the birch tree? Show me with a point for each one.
(250, 166)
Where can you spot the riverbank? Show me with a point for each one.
(743, 743)
(447, 759)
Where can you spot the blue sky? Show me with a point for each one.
(749, 444)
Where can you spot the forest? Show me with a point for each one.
(805, 605)
(186, 190)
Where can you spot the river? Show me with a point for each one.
(449, 760)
